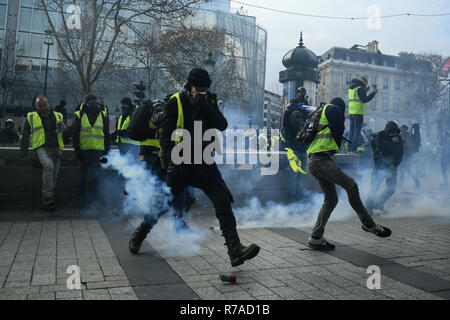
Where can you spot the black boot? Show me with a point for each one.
(138, 237)
(237, 252)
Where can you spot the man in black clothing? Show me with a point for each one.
(387, 156)
(198, 105)
(301, 98)
(90, 130)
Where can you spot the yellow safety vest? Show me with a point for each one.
(323, 140)
(123, 125)
(180, 120)
(294, 161)
(91, 137)
(38, 132)
(355, 105)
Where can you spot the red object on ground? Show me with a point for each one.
(228, 277)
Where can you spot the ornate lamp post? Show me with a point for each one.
(49, 42)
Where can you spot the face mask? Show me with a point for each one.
(125, 109)
(93, 104)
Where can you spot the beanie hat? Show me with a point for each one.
(339, 102)
(91, 97)
(199, 78)
(126, 101)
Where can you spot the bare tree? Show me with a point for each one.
(92, 48)
(9, 77)
(425, 88)
(185, 47)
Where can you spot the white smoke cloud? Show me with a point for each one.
(148, 195)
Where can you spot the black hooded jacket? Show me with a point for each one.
(362, 93)
(388, 150)
(201, 108)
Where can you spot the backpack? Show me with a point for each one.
(309, 131)
(138, 127)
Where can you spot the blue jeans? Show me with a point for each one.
(356, 122)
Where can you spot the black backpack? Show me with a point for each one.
(309, 131)
(138, 127)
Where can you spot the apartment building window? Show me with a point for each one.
(348, 78)
(397, 84)
(385, 103)
(373, 104)
(374, 82)
(386, 83)
(397, 104)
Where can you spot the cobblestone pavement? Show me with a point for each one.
(34, 256)
(286, 269)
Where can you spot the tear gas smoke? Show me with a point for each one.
(146, 194)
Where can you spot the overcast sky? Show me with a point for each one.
(412, 34)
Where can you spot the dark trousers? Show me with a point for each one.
(125, 148)
(376, 179)
(154, 165)
(209, 180)
(90, 165)
(356, 122)
(328, 174)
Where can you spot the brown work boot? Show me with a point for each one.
(48, 204)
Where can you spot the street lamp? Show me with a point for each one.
(210, 64)
(49, 42)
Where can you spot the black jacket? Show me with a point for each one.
(362, 93)
(291, 128)
(203, 108)
(388, 150)
(92, 114)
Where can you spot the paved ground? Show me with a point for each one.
(36, 248)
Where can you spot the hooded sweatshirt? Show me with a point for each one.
(362, 91)
(388, 150)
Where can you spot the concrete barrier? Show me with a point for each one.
(21, 181)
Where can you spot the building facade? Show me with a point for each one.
(273, 110)
(338, 66)
(26, 22)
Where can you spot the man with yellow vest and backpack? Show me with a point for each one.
(120, 135)
(326, 141)
(90, 140)
(357, 99)
(46, 128)
(193, 106)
